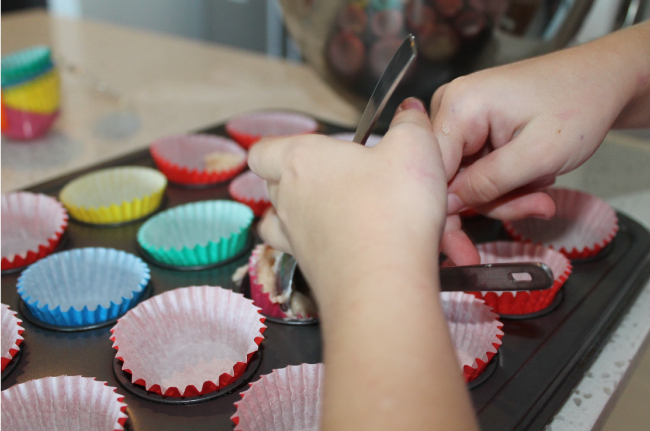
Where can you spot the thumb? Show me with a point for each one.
(410, 127)
(412, 111)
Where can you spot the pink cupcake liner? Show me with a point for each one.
(189, 341)
(523, 302)
(32, 226)
(11, 335)
(247, 129)
(250, 190)
(72, 403)
(372, 141)
(25, 125)
(474, 329)
(182, 158)
(583, 225)
(287, 399)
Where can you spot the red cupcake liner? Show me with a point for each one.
(247, 129)
(582, 226)
(180, 158)
(224, 323)
(38, 219)
(11, 335)
(270, 306)
(523, 302)
(250, 190)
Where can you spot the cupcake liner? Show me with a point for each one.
(247, 129)
(189, 341)
(287, 399)
(83, 286)
(32, 226)
(23, 125)
(583, 225)
(71, 403)
(250, 190)
(200, 233)
(186, 159)
(523, 302)
(11, 335)
(40, 95)
(25, 65)
(114, 195)
(372, 141)
(474, 329)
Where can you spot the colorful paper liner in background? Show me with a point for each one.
(34, 218)
(250, 190)
(180, 158)
(582, 226)
(249, 128)
(523, 302)
(95, 285)
(286, 399)
(11, 335)
(126, 193)
(200, 233)
(205, 317)
(260, 298)
(55, 403)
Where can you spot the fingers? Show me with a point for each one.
(272, 232)
(457, 245)
(411, 111)
(517, 206)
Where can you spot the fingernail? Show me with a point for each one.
(412, 103)
(454, 204)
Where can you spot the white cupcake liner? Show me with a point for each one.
(287, 399)
(11, 335)
(189, 341)
(249, 128)
(71, 403)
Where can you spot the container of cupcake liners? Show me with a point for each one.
(250, 190)
(198, 159)
(114, 195)
(84, 286)
(286, 399)
(11, 335)
(249, 128)
(71, 403)
(32, 227)
(25, 125)
(582, 226)
(524, 301)
(474, 329)
(372, 141)
(188, 341)
(197, 234)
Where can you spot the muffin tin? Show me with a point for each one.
(539, 363)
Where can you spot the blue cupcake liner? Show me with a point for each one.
(84, 286)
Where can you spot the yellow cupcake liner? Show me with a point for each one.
(80, 197)
(40, 95)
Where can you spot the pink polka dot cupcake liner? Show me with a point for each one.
(249, 128)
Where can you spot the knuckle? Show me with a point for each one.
(482, 188)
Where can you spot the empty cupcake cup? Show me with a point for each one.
(250, 190)
(249, 128)
(11, 335)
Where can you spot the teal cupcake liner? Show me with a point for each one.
(197, 234)
(22, 66)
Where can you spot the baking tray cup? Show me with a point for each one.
(372, 141)
(250, 190)
(23, 125)
(183, 160)
(32, 227)
(71, 403)
(249, 128)
(201, 233)
(189, 341)
(85, 286)
(40, 95)
(583, 225)
(474, 329)
(11, 335)
(24, 65)
(114, 195)
(287, 399)
(523, 302)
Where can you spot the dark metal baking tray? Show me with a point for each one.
(539, 363)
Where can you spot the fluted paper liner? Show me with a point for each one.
(71, 403)
(583, 225)
(270, 305)
(32, 226)
(39, 95)
(475, 331)
(84, 286)
(523, 302)
(200, 233)
(11, 335)
(182, 158)
(372, 141)
(249, 128)
(188, 341)
(287, 399)
(114, 195)
(25, 125)
(250, 190)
